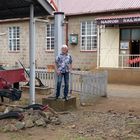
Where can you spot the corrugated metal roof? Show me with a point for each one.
(74, 7)
(119, 16)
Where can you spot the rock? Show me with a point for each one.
(72, 126)
(29, 123)
(30, 111)
(83, 104)
(81, 132)
(47, 120)
(10, 127)
(20, 125)
(55, 121)
(40, 122)
(48, 115)
(35, 117)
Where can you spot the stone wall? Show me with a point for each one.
(10, 58)
(123, 76)
(81, 59)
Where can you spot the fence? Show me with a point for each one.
(120, 61)
(88, 84)
(129, 61)
(93, 85)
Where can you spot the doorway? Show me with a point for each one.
(134, 52)
(132, 35)
(135, 47)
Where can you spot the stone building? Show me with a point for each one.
(100, 34)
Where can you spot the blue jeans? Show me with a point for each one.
(66, 82)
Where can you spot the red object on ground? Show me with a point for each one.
(9, 77)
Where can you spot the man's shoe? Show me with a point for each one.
(65, 98)
(56, 98)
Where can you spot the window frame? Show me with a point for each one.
(93, 37)
(14, 38)
(50, 37)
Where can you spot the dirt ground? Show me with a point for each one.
(116, 117)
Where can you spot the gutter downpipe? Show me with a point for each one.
(67, 25)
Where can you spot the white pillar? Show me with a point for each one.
(59, 31)
(59, 37)
(32, 55)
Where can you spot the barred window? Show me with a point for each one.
(50, 37)
(88, 36)
(14, 38)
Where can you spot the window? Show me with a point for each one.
(130, 34)
(50, 37)
(125, 34)
(88, 36)
(135, 34)
(14, 38)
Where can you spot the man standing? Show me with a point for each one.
(63, 65)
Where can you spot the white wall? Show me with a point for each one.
(109, 47)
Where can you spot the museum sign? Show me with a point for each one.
(118, 20)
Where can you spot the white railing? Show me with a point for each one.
(46, 77)
(93, 85)
(129, 61)
(77, 79)
(119, 61)
(88, 84)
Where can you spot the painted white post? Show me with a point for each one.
(59, 32)
(32, 55)
(59, 37)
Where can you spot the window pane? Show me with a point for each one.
(83, 41)
(125, 34)
(94, 29)
(83, 28)
(135, 34)
(52, 30)
(18, 44)
(88, 41)
(10, 44)
(48, 43)
(94, 42)
(88, 28)
(52, 43)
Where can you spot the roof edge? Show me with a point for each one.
(47, 6)
(104, 11)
